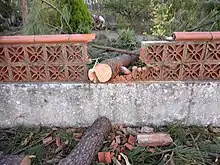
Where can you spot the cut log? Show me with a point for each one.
(110, 68)
(92, 76)
(122, 51)
(90, 144)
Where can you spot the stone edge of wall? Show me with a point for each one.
(79, 104)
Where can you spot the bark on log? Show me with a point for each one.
(10, 159)
(90, 144)
(122, 51)
(110, 68)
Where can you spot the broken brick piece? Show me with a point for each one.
(131, 140)
(154, 140)
(104, 157)
(101, 157)
(47, 140)
(58, 141)
(129, 146)
(128, 77)
(108, 157)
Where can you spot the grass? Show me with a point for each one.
(12, 139)
(192, 145)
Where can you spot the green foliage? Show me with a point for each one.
(126, 38)
(50, 16)
(78, 17)
(182, 15)
(8, 7)
(134, 12)
(162, 19)
(41, 19)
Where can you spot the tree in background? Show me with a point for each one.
(162, 17)
(41, 18)
(133, 11)
(56, 16)
(182, 15)
(9, 11)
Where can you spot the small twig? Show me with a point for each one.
(197, 137)
(163, 152)
(195, 144)
(170, 159)
(25, 148)
(29, 146)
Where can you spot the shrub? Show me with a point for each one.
(79, 19)
(126, 39)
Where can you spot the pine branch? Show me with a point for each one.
(54, 7)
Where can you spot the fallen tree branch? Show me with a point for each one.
(122, 51)
(110, 68)
(90, 144)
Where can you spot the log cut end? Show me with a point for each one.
(101, 72)
(92, 76)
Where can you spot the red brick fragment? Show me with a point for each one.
(154, 140)
(105, 157)
(58, 141)
(129, 146)
(131, 140)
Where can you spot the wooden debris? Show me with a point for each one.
(27, 140)
(147, 130)
(77, 136)
(109, 68)
(27, 160)
(90, 144)
(154, 139)
(118, 140)
(114, 145)
(125, 70)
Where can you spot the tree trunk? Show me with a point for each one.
(110, 68)
(24, 11)
(90, 144)
(10, 159)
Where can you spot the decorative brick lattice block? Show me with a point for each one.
(174, 61)
(41, 62)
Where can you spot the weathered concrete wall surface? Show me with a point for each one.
(133, 104)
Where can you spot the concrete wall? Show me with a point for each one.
(132, 104)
